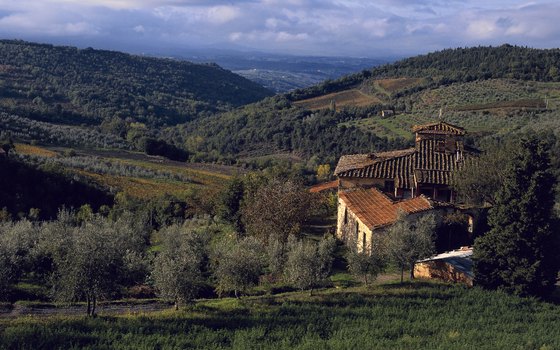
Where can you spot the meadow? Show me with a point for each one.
(417, 315)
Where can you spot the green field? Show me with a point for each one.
(416, 315)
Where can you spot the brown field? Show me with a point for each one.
(522, 103)
(34, 150)
(397, 84)
(138, 187)
(346, 98)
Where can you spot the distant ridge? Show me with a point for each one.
(454, 65)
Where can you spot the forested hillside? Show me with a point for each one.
(74, 86)
(487, 90)
(455, 65)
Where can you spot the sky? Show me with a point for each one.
(358, 28)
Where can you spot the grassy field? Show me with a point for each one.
(391, 316)
(347, 98)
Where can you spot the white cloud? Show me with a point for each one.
(337, 27)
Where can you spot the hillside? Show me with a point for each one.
(69, 85)
(487, 90)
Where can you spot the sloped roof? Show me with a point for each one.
(375, 209)
(324, 186)
(438, 128)
(355, 161)
(424, 164)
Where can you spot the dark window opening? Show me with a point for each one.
(389, 186)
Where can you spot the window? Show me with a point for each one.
(440, 146)
(356, 234)
(345, 216)
(364, 243)
(389, 186)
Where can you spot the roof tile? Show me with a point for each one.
(376, 210)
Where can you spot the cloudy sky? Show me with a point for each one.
(302, 27)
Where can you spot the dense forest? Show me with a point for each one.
(71, 85)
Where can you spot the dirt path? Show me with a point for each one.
(111, 308)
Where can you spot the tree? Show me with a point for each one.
(89, 259)
(519, 253)
(367, 263)
(17, 240)
(229, 203)
(323, 172)
(7, 275)
(178, 267)
(237, 264)
(277, 208)
(478, 179)
(410, 240)
(309, 263)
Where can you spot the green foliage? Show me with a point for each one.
(409, 240)
(275, 126)
(412, 316)
(229, 203)
(368, 263)
(178, 267)
(162, 148)
(453, 65)
(237, 264)
(478, 180)
(89, 259)
(66, 84)
(308, 264)
(60, 135)
(17, 241)
(520, 252)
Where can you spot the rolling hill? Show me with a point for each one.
(487, 90)
(74, 86)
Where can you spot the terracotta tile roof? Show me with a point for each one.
(375, 209)
(324, 186)
(425, 164)
(438, 128)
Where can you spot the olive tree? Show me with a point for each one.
(238, 264)
(309, 263)
(17, 240)
(89, 259)
(367, 264)
(178, 267)
(409, 240)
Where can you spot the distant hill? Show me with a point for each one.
(70, 85)
(282, 73)
(487, 90)
(454, 65)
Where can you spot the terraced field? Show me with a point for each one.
(390, 86)
(196, 176)
(347, 98)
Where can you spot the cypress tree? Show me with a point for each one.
(518, 253)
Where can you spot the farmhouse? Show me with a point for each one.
(374, 187)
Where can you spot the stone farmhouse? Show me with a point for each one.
(373, 188)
